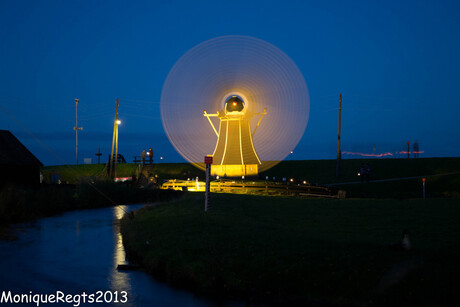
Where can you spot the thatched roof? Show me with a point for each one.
(12, 152)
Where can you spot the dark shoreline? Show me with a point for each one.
(26, 203)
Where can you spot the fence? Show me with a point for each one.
(255, 187)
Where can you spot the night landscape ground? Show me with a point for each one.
(329, 130)
(277, 249)
(300, 251)
(330, 252)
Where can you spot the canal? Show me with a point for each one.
(79, 252)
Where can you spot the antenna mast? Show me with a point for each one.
(76, 128)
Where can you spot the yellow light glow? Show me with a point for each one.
(118, 122)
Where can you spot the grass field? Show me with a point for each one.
(324, 171)
(300, 251)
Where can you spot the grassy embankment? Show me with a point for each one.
(291, 250)
(79, 173)
(22, 203)
(303, 250)
(320, 172)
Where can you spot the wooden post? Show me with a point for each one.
(408, 150)
(424, 181)
(339, 154)
(208, 162)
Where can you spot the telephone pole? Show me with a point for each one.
(339, 153)
(98, 154)
(113, 164)
(76, 128)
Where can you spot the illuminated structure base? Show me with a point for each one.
(234, 155)
(235, 170)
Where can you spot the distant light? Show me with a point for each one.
(242, 177)
(234, 103)
(118, 121)
(304, 182)
(292, 152)
(161, 158)
(291, 180)
(359, 174)
(217, 177)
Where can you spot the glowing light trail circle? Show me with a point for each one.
(205, 76)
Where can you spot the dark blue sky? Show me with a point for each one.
(396, 62)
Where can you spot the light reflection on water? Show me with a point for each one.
(119, 281)
(79, 252)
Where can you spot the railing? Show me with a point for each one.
(255, 187)
(137, 159)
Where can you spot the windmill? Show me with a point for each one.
(235, 154)
(257, 98)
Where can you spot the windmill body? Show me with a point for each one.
(235, 154)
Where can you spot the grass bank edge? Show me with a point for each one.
(186, 265)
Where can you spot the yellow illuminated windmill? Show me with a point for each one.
(235, 154)
(237, 79)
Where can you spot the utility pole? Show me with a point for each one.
(98, 154)
(113, 164)
(339, 153)
(76, 128)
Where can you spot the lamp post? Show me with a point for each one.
(112, 163)
(117, 123)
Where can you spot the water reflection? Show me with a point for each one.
(119, 281)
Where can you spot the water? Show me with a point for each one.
(78, 252)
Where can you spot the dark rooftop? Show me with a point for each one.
(13, 152)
